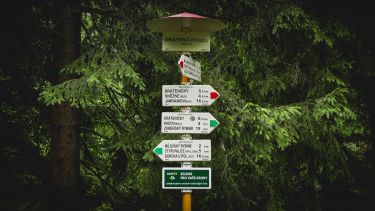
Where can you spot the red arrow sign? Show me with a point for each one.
(190, 68)
(189, 95)
(214, 95)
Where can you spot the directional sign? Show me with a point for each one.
(186, 178)
(189, 95)
(188, 122)
(190, 67)
(186, 41)
(184, 150)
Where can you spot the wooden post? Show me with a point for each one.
(186, 194)
(186, 201)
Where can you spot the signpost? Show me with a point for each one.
(184, 150)
(188, 122)
(186, 178)
(190, 68)
(189, 95)
(186, 32)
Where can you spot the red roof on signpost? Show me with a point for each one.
(178, 22)
(186, 15)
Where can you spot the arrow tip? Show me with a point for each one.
(214, 95)
(158, 150)
(214, 123)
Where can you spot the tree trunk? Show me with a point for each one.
(65, 119)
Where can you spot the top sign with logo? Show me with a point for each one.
(186, 41)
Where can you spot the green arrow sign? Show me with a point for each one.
(158, 150)
(214, 123)
(188, 122)
(184, 150)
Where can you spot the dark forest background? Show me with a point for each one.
(80, 105)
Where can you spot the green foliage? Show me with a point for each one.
(289, 18)
(296, 116)
(100, 71)
(287, 112)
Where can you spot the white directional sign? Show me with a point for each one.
(184, 150)
(188, 122)
(190, 67)
(189, 95)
